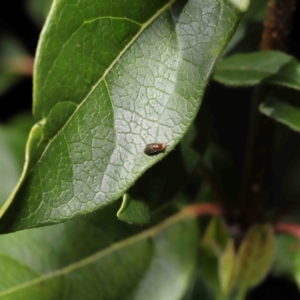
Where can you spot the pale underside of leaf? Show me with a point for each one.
(88, 150)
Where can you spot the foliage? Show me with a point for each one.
(109, 78)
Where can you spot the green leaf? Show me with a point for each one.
(161, 183)
(281, 112)
(296, 250)
(216, 236)
(134, 210)
(227, 269)
(88, 259)
(214, 241)
(257, 11)
(286, 257)
(255, 256)
(248, 34)
(259, 67)
(109, 79)
(199, 289)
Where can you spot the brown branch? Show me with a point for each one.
(278, 24)
(255, 186)
(258, 165)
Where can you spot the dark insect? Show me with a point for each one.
(155, 148)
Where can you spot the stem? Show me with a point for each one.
(278, 24)
(204, 209)
(22, 65)
(289, 228)
(258, 157)
(258, 163)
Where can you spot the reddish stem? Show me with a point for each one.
(205, 209)
(22, 65)
(289, 228)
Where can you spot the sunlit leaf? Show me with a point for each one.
(111, 77)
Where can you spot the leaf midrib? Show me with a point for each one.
(150, 233)
(143, 27)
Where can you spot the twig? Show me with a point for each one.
(205, 209)
(278, 24)
(290, 228)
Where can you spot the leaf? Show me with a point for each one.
(281, 112)
(166, 180)
(216, 236)
(161, 183)
(286, 257)
(109, 79)
(296, 249)
(241, 4)
(199, 289)
(134, 210)
(248, 34)
(255, 256)
(214, 241)
(259, 67)
(256, 12)
(44, 264)
(227, 269)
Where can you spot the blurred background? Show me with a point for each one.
(20, 26)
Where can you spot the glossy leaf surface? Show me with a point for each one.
(110, 78)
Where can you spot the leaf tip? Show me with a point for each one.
(242, 5)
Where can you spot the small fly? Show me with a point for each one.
(155, 148)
